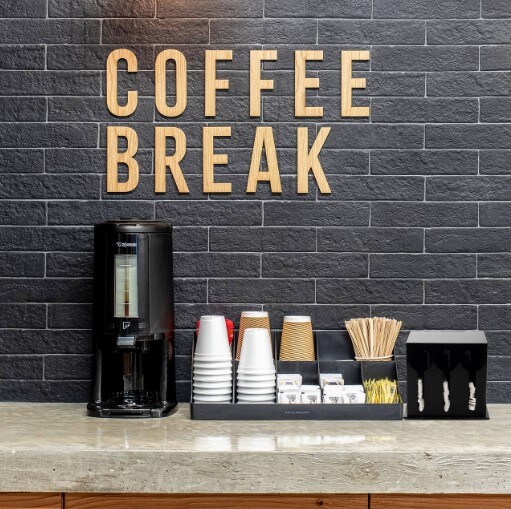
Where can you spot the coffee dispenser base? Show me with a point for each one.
(157, 411)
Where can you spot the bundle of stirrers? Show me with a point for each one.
(373, 338)
(381, 391)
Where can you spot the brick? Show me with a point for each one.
(27, 341)
(498, 392)
(49, 186)
(360, 136)
(45, 391)
(22, 367)
(499, 343)
(430, 317)
(495, 9)
(375, 188)
(426, 9)
(183, 367)
(216, 265)
(424, 162)
(494, 265)
(44, 31)
(101, 9)
(190, 239)
(468, 188)
(498, 368)
(147, 31)
(263, 31)
(67, 367)
(21, 57)
(21, 161)
(424, 214)
(376, 32)
(22, 213)
(368, 291)
(473, 84)
(48, 135)
(190, 290)
(45, 290)
(49, 83)
(377, 84)
(26, 109)
(468, 240)
(93, 109)
(183, 391)
(468, 292)
(316, 214)
(220, 213)
(312, 265)
(425, 58)
(90, 212)
(495, 58)
(183, 340)
(93, 57)
(22, 316)
(424, 110)
(495, 109)
(494, 214)
(261, 290)
(342, 162)
(423, 266)
(323, 316)
(494, 162)
(70, 316)
(21, 264)
(370, 240)
(23, 9)
(468, 136)
(262, 239)
(69, 265)
(21, 238)
(308, 9)
(469, 32)
(495, 317)
(220, 9)
(89, 161)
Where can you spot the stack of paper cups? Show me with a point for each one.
(256, 370)
(212, 362)
(252, 320)
(297, 343)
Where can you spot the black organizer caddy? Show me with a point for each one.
(334, 354)
(458, 357)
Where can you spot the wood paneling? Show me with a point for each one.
(30, 501)
(216, 501)
(440, 502)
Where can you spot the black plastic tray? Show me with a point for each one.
(334, 353)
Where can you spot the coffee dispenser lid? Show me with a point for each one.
(134, 226)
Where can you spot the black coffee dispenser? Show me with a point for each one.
(133, 320)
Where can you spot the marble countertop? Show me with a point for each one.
(56, 447)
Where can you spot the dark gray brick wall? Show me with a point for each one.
(418, 225)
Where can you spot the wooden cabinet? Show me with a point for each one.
(216, 501)
(440, 502)
(30, 501)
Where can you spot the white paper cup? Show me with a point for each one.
(212, 399)
(213, 339)
(256, 385)
(212, 365)
(255, 378)
(270, 390)
(212, 358)
(212, 392)
(212, 385)
(212, 378)
(212, 372)
(256, 351)
(256, 397)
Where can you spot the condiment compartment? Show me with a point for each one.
(334, 354)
